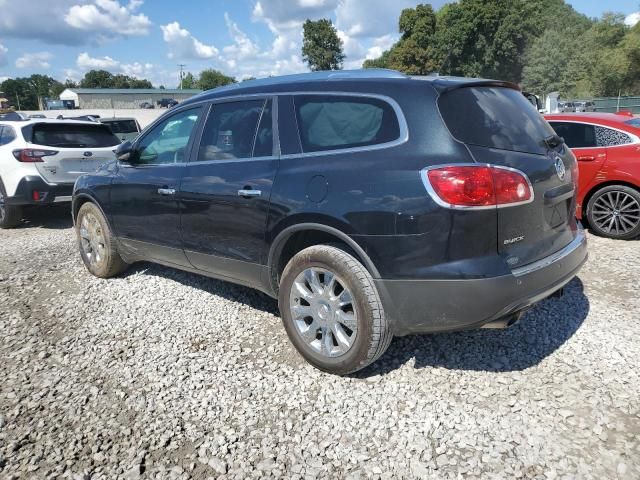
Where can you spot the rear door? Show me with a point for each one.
(500, 127)
(74, 148)
(581, 139)
(226, 189)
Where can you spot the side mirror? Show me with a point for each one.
(124, 151)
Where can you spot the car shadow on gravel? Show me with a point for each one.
(540, 332)
(56, 217)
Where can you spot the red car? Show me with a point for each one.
(607, 146)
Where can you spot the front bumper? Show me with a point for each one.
(423, 306)
(47, 193)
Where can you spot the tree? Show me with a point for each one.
(189, 81)
(213, 78)
(321, 46)
(104, 79)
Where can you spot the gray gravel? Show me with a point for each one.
(164, 374)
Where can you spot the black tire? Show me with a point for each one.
(626, 201)
(10, 215)
(110, 264)
(374, 334)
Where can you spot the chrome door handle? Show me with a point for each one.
(166, 191)
(249, 193)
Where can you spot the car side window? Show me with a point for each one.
(7, 134)
(576, 135)
(167, 141)
(230, 130)
(330, 122)
(263, 146)
(607, 137)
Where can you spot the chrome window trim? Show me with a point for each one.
(402, 122)
(432, 193)
(634, 138)
(554, 257)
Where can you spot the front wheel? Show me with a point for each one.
(98, 247)
(614, 212)
(331, 310)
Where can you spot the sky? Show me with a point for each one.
(149, 39)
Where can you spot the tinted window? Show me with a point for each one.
(329, 122)
(230, 130)
(123, 126)
(607, 137)
(494, 117)
(8, 135)
(73, 135)
(576, 135)
(264, 138)
(167, 141)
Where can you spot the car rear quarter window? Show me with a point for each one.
(607, 137)
(330, 122)
(73, 135)
(576, 135)
(7, 134)
(494, 117)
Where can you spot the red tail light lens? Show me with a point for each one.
(477, 186)
(31, 155)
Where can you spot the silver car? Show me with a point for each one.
(585, 107)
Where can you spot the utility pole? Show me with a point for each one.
(181, 65)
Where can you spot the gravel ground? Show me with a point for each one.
(164, 374)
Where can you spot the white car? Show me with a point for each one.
(40, 160)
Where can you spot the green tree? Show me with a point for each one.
(97, 79)
(321, 46)
(20, 94)
(213, 78)
(189, 81)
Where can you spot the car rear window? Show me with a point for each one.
(122, 126)
(634, 122)
(73, 135)
(330, 122)
(494, 117)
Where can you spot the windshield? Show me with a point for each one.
(73, 136)
(122, 126)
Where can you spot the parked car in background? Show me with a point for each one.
(607, 146)
(391, 206)
(585, 106)
(565, 107)
(147, 105)
(167, 103)
(124, 128)
(40, 159)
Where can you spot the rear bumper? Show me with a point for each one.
(422, 306)
(48, 193)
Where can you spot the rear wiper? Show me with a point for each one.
(552, 141)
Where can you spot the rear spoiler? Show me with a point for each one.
(446, 84)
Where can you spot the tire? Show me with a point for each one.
(98, 247)
(614, 212)
(325, 323)
(10, 215)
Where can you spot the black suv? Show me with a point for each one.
(371, 204)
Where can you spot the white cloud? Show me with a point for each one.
(286, 14)
(370, 18)
(242, 47)
(632, 19)
(34, 60)
(86, 62)
(108, 19)
(182, 45)
(3, 55)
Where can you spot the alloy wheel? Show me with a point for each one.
(92, 239)
(616, 212)
(323, 311)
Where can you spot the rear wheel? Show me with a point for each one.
(614, 212)
(10, 215)
(98, 247)
(331, 310)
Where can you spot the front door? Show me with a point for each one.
(226, 188)
(144, 193)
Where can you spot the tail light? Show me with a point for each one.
(477, 186)
(31, 155)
